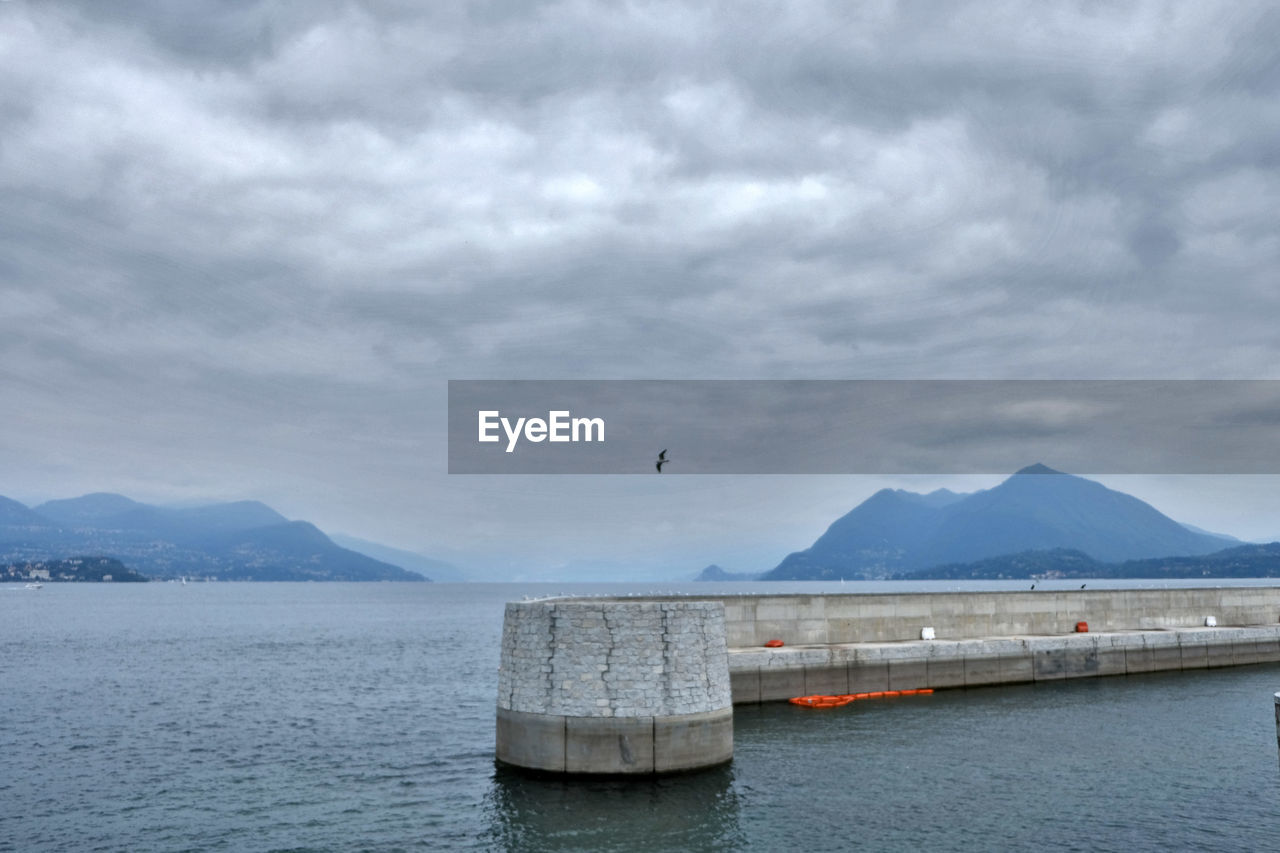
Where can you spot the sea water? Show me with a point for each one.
(243, 717)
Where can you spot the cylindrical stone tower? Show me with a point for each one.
(610, 686)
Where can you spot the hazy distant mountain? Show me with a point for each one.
(241, 540)
(1036, 509)
(715, 573)
(1054, 562)
(1225, 537)
(1243, 561)
(14, 514)
(438, 570)
(294, 551)
(87, 509)
(192, 524)
(875, 538)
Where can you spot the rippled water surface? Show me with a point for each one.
(360, 717)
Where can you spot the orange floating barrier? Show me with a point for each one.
(823, 700)
(774, 644)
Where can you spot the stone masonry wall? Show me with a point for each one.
(612, 658)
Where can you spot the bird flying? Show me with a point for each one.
(662, 460)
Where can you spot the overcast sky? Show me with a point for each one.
(244, 245)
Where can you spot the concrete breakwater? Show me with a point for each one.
(869, 642)
(764, 675)
(626, 685)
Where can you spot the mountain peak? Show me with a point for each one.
(894, 532)
(715, 573)
(1037, 468)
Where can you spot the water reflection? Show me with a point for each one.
(697, 811)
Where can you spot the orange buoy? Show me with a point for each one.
(1082, 627)
(773, 644)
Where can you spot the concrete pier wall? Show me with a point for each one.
(766, 675)
(598, 686)
(752, 620)
(868, 642)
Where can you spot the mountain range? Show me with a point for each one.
(1242, 561)
(1037, 523)
(244, 540)
(896, 532)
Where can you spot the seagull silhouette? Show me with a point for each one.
(662, 460)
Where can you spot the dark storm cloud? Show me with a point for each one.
(285, 215)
